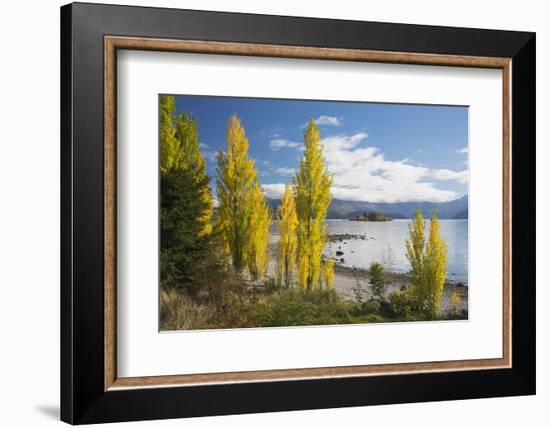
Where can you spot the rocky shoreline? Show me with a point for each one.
(348, 279)
(346, 237)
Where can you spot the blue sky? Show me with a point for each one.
(377, 152)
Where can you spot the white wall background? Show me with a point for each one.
(29, 213)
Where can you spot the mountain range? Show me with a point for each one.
(340, 209)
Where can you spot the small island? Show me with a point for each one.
(372, 216)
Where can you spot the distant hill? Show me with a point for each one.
(340, 209)
(461, 215)
(395, 216)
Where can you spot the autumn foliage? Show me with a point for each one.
(312, 185)
(257, 255)
(435, 267)
(214, 259)
(428, 261)
(288, 244)
(243, 215)
(186, 203)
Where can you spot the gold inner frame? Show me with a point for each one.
(113, 43)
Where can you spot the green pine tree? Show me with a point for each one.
(186, 204)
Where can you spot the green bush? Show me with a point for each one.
(285, 307)
(371, 306)
(402, 306)
(316, 307)
(377, 279)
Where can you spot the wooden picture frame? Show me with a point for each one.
(91, 390)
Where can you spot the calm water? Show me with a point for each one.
(383, 238)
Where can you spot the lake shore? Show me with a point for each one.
(348, 279)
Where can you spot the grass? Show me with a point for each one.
(180, 312)
(265, 305)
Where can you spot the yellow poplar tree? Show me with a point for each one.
(428, 261)
(435, 266)
(415, 254)
(242, 213)
(257, 256)
(167, 131)
(328, 272)
(312, 185)
(287, 221)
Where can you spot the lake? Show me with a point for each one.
(383, 238)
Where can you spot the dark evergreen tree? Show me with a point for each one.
(186, 204)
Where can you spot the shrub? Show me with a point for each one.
(371, 306)
(294, 312)
(455, 301)
(377, 279)
(402, 305)
(271, 285)
(287, 307)
(358, 291)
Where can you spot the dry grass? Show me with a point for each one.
(179, 312)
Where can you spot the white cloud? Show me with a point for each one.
(274, 191)
(343, 142)
(363, 174)
(280, 143)
(210, 155)
(270, 133)
(285, 171)
(324, 120)
(448, 175)
(329, 120)
(462, 151)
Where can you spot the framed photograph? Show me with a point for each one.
(267, 213)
